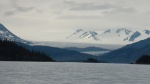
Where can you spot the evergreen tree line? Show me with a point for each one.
(145, 59)
(10, 51)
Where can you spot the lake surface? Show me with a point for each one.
(72, 73)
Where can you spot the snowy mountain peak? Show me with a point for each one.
(79, 30)
(107, 31)
(83, 35)
(134, 36)
(6, 34)
(90, 35)
(120, 30)
(110, 36)
(126, 31)
(2, 28)
(147, 32)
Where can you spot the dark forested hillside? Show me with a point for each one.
(87, 49)
(129, 53)
(145, 59)
(10, 51)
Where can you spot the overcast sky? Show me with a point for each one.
(43, 19)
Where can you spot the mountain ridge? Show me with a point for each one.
(82, 34)
(116, 36)
(6, 34)
(87, 49)
(129, 53)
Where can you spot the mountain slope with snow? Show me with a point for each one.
(115, 36)
(6, 34)
(109, 36)
(82, 35)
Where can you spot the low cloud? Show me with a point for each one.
(78, 17)
(121, 10)
(105, 7)
(21, 8)
(9, 13)
(88, 6)
(16, 8)
(70, 2)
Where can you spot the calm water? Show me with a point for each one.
(72, 73)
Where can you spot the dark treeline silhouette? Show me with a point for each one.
(145, 59)
(10, 51)
(91, 60)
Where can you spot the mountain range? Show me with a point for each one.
(127, 54)
(121, 36)
(109, 36)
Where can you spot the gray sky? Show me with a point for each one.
(53, 19)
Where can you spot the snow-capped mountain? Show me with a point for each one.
(6, 34)
(109, 36)
(115, 36)
(82, 35)
(147, 32)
